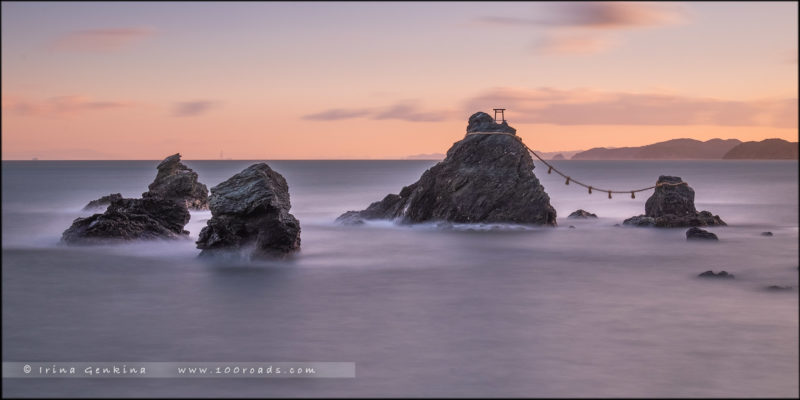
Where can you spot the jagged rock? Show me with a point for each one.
(582, 214)
(251, 209)
(131, 219)
(672, 206)
(700, 234)
(102, 202)
(483, 122)
(176, 181)
(483, 179)
(766, 233)
(721, 274)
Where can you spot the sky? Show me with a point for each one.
(361, 80)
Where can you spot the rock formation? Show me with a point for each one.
(582, 214)
(720, 274)
(485, 178)
(102, 202)
(129, 219)
(700, 234)
(251, 210)
(672, 206)
(177, 182)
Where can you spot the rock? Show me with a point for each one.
(102, 202)
(721, 274)
(766, 233)
(251, 209)
(176, 181)
(131, 219)
(672, 206)
(582, 214)
(483, 122)
(777, 288)
(700, 234)
(351, 218)
(572, 227)
(483, 179)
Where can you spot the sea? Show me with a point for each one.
(585, 309)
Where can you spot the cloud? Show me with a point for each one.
(404, 111)
(193, 108)
(572, 44)
(101, 40)
(59, 106)
(587, 107)
(600, 15)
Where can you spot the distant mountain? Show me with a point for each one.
(675, 149)
(768, 149)
(558, 156)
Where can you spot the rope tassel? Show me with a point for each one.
(609, 194)
(549, 170)
(567, 181)
(633, 196)
(590, 190)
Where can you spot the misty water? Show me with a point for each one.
(485, 310)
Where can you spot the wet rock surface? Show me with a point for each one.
(250, 213)
(102, 202)
(582, 214)
(131, 219)
(719, 275)
(700, 234)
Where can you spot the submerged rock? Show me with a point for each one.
(766, 233)
(251, 209)
(131, 219)
(672, 206)
(700, 234)
(777, 288)
(582, 214)
(721, 274)
(484, 179)
(177, 182)
(103, 201)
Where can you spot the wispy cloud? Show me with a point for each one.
(583, 27)
(59, 106)
(404, 111)
(588, 107)
(193, 108)
(101, 40)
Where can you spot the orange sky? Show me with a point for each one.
(376, 80)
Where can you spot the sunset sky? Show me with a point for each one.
(387, 80)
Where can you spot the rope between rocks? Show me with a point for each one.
(569, 179)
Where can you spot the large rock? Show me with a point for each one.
(672, 206)
(131, 219)
(251, 210)
(177, 182)
(696, 233)
(484, 178)
(103, 201)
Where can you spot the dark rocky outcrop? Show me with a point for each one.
(130, 219)
(177, 182)
(103, 201)
(251, 211)
(483, 122)
(700, 234)
(581, 213)
(721, 274)
(767, 149)
(484, 179)
(672, 206)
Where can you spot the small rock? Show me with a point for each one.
(572, 227)
(582, 214)
(672, 206)
(766, 233)
(721, 274)
(778, 288)
(617, 225)
(700, 234)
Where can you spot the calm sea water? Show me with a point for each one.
(593, 311)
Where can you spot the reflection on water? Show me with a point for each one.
(593, 311)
